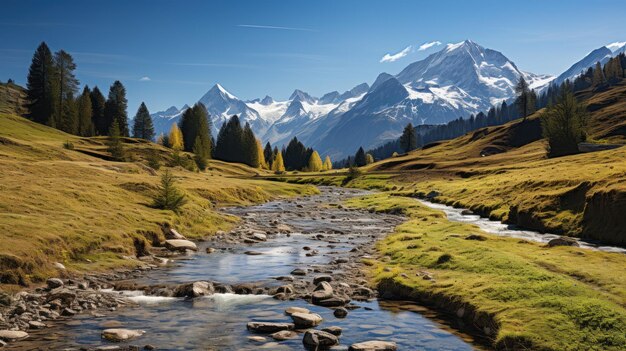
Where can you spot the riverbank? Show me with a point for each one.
(521, 294)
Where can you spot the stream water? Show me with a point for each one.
(218, 322)
(502, 229)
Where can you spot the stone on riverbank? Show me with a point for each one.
(291, 310)
(306, 320)
(12, 335)
(180, 245)
(563, 241)
(54, 283)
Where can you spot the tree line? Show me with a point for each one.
(53, 99)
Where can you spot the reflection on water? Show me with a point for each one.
(499, 228)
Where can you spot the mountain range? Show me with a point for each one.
(459, 80)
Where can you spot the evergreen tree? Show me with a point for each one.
(327, 164)
(250, 151)
(39, 86)
(295, 155)
(359, 158)
(201, 154)
(563, 124)
(268, 154)
(116, 106)
(97, 105)
(278, 166)
(169, 197)
(175, 138)
(85, 113)
(229, 144)
(522, 101)
(598, 75)
(67, 85)
(315, 162)
(142, 124)
(188, 125)
(532, 102)
(408, 140)
(203, 128)
(116, 148)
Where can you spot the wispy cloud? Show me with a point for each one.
(396, 56)
(258, 26)
(211, 64)
(429, 45)
(145, 79)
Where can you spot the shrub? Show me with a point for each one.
(154, 160)
(68, 145)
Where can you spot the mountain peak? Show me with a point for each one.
(171, 110)
(302, 96)
(267, 100)
(220, 90)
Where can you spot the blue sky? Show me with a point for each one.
(254, 48)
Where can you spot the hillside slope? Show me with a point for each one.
(503, 172)
(77, 208)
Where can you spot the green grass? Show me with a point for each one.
(549, 298)
(60, 205)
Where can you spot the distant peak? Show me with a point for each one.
(267, 100)
(301, 95)
(172, 109)
(218, 88)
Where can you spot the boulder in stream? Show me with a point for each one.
(121, 334)
(306, 320)
(319, 338)
(180, 245)
(269, 327)
(374, 345)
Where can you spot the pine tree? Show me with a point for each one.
(39, 86)
(268, 154)
(328, 165)
(522, 92)
(250, 151)
(563, 124)
(189, 128)
(598, 75)
(142, 124)
(97, 105)
(200, 154)
(532, 102)
(116, 148)
(229, 145)
(67, 86)
(359, 158)
(116, 106)
(315, 162)
(169, 197)
(203, 128)
(408, 140)
(296, 156)
(85, 113)
(175, 138)
(278, 166)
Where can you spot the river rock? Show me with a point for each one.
(173, 234)
(284, 335)
(322, 278)
(299, 271)
(269, 327)
(340, 312)
(36, 325)
(291, 310)
(259, 236)
(66, 296)
(180, 245)
(374, 345)
(322, 291)
(12, 335)
(563, 241)
(121, 334)
(54, 283)
(330, 302)
(306, 320)
(194, 289)
(333, 330)
(253, 253)
(319, 338)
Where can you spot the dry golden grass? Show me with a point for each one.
(60, 205)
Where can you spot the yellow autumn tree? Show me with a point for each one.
(327, 164)
(315, 162)
(278, 166)
(176, 138)
(369, 159)
(262, 162)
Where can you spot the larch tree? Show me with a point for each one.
(598, 75)
(522, 92)
(66, 87)
(328, 165)
(39, 86)
(85, 113)
(278, 166)
(142, 124)
(116, 106)
(250, 150)
(261, 153)
(175, 138)
(563, 124)
(369, 158)
(408, 139)
(97, 106)
(315, 162)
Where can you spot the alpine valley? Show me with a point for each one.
(460, 80)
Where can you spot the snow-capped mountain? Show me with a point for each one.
(460, 80)
(602, 55)
(163, 120)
